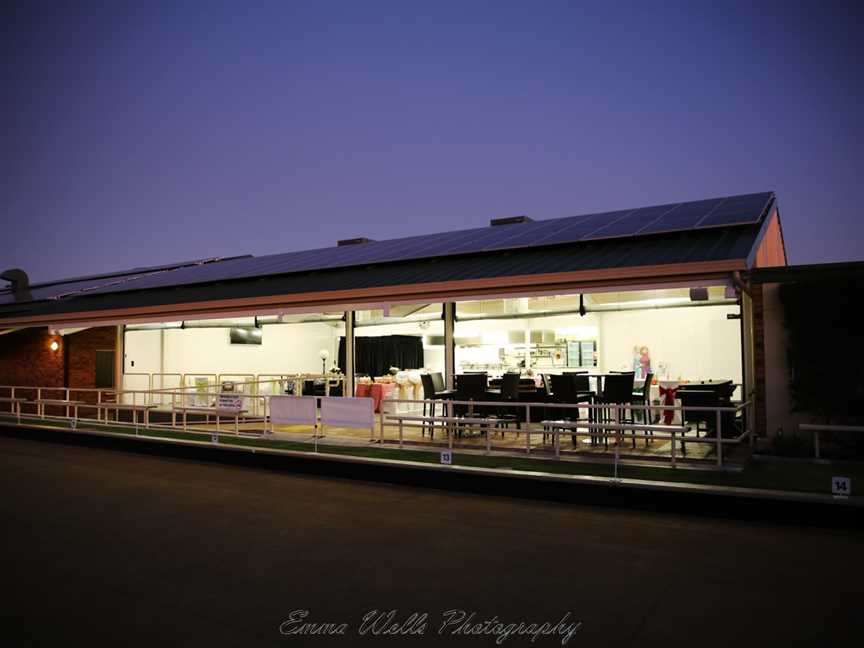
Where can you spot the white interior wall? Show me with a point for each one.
(142, 352)
(285, 348)
(695, 343)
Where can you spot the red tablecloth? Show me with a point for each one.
(376, 391)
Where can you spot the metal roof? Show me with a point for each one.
(60, 288)
(622, 239)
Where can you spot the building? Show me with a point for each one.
(678, 286)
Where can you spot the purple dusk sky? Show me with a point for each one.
(146, 132)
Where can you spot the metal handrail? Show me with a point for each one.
(259, 407)
(816, 428)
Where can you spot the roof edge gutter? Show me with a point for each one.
(578, 281)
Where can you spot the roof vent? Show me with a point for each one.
(20, 284)
(511, 220)
(355, 241)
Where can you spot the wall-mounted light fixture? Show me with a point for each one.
(54, 345)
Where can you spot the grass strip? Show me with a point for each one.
(801, 476)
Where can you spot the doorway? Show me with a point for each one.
(105, 369)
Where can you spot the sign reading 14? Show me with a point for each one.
(841, 486)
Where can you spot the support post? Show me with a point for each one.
(450, 344)
(748, 390)
(719, 434)
(119, 361)
(349, 354)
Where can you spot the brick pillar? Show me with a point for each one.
(759, 358)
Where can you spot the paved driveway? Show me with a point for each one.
(106, 547)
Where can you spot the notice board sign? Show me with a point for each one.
(229, 401)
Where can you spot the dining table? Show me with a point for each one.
(376, 391)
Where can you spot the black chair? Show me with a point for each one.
(335, 387)
(529, 392)
(527, 387)
(569, 389)
(510, 387)
(470, 387)
(730, 420)
(724, 390)
(544, 391)
(429, 394)
(318, 387)
(715, 394)
(546, 387)
(434, 389)
(641, 400)
(691, 397)
(510, 393)
(438, 381)
(617, 390)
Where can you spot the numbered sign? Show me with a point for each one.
(841, 486)
(446, 457)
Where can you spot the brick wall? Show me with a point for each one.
(26, 358)
(81, 354)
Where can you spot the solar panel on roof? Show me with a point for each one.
(618, 224)
(737, 210)
(633, 222)
(130, 271)
(683, 217)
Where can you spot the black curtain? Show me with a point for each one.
(375, 355)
